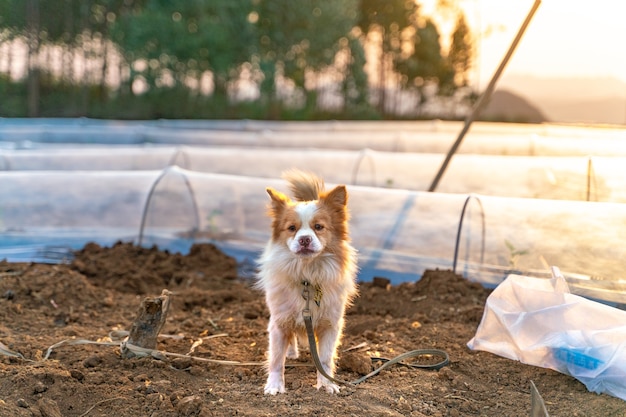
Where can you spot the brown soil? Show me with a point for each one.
(102, 289)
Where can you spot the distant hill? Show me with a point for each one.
(610, 110)
(505, 106)
(572, 100)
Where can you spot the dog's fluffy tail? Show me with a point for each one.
(304, 186)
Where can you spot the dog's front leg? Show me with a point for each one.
(328, 341)
(279, 342)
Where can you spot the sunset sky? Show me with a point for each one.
(566, 38)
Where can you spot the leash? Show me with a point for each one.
(308, 323)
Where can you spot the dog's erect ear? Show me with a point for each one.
(278, 199)
(337, 196)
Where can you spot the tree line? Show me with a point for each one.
(229, 58)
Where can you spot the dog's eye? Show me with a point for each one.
(318, 226)
(292, 228)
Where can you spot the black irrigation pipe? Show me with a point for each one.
(365, 153)
(184, 156)
(458, 233)
(151, 193)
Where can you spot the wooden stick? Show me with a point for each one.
(482, 100)
(148, 323)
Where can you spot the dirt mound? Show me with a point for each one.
(129, 268)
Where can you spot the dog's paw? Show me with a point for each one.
(273, 390)
(275, 385)
(329, 386)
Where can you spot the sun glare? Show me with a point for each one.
(566, 38)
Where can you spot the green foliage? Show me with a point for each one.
(389, 18)
(175, 47)
(514, 254)
(426, 64)
(62, 21)
(461, 51)
(13, 103)
(355, 82)
(389, 15)
(185, 39)
(295, 38)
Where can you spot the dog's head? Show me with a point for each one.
(309, 228)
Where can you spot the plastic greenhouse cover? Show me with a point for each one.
(568, 178)
(399, 233)
(424, 136)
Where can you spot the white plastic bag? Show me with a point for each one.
(538, 322)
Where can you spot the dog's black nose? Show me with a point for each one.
(304, 241)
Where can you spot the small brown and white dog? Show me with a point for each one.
(309, 243)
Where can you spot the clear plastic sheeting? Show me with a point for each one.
(507, 202)
(73, 199)
(45, 214)
(565, 178)
(420, 136)
(530, 235)
(90, 158)
(399, 233)
(25, 133)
